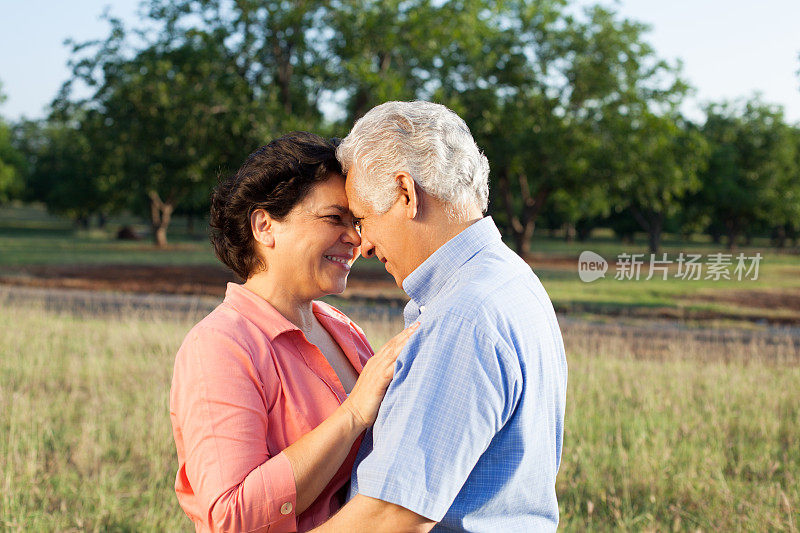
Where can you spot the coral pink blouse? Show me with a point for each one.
(246, 385)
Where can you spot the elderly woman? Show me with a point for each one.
(267, 405)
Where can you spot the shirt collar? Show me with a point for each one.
(261, 313)
(429, 277)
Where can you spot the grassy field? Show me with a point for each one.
(29, 236)
(660, 434)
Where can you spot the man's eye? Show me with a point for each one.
(335, 218)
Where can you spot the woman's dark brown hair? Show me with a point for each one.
(276, 177)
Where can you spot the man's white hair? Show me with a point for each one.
(426, 140)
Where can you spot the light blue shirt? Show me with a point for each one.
(469, 433)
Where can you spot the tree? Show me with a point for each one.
(566, 83)
(750, 166)
(11, 161)
(63, 171)
(274, 47)
(786, 222)
(400, 50)
(167, 118)
(663, 156)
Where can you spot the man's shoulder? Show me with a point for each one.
(497, 294)
(489, 278)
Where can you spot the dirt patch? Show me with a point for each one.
(375, 287)
(205, 280)
(788, 299)
(553, 262)
(209, 280)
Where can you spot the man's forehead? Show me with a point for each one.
(356, 205)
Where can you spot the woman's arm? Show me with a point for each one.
(220, 427)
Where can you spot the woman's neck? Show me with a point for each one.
(297, 310)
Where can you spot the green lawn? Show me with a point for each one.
(28, 236)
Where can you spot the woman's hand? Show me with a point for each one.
(368, 392)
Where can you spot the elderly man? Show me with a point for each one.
(469, 434)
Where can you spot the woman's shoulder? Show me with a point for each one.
(224, 320)
(225, 346)
(222, 333)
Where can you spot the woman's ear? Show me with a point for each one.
(408, 194)
(261, 226)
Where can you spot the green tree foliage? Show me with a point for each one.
(275, 48)
(751, 175)
(64, 170)
(662, 158)
(11, 162)
(574, 109)
(378, 51)
(559, 106)
(787, 224)
(167, 119)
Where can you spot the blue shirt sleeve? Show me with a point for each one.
(454, 388)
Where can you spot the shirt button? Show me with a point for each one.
(421, 308)
(286, 508)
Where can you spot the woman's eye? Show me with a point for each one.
(357, 224)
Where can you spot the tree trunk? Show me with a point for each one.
(283, 56)
(360, 105)
(522, 239)
(522, 222)
(733, 233)
(654, 241)
(653, 224)
(716, 236)
(569, 232)
(584, 232)
(160, 217)
(779, 237)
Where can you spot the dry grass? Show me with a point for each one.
(669, 431)
(663, 431)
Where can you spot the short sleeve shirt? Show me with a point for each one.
(470, 431)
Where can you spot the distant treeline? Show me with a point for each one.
(580, 119)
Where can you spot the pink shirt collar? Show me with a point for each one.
(261, 313)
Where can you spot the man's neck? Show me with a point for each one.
(438, 228)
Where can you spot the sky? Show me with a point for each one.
(730, 49)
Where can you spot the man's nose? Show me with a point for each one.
(367, 248)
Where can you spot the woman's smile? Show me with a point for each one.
(341, 261)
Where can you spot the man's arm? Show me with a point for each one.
(364, 513)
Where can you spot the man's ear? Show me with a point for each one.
(261, 226)
(408, 194)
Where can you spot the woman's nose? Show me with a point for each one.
(352, 237)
